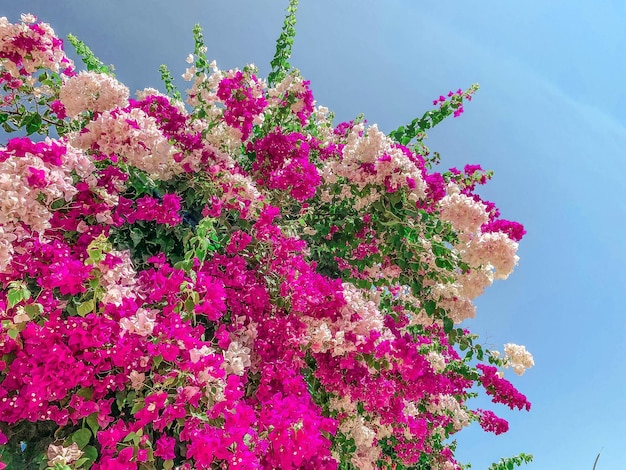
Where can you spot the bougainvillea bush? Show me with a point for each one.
(227, 279)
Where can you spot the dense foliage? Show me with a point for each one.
(234, 281)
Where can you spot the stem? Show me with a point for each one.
(596, 461)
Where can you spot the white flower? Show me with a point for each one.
(518, 357)
(142, 323)
(90, 91)
(464, 213)
(236, 358)
(28, 18)
(495, 249)
(63, 455)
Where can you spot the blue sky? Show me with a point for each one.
(549, 119)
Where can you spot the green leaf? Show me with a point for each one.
(429, 306)
(479, 353)
(33, 123)
(85, 308)
(33, 310)
(78, 463)
(135, 437)
(95, 255)
(91, 454)
(15, 296)
(85, 393)
(136, 236)
(81, 437)
(168, 464)
(438, 249)
(92, 422)
(137, 406)
(448, 325)
(189, 304)
(156, 360)
(7, 127)
(444, 264)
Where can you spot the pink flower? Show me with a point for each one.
(502, 390)
(491, 423)
(121, 462)
(37, 178)
(282, 162)
(154, 403)
(112, 436)
(242, 96)
(239, 240)
(214, 209)
(165, 448)
(514, 230)
(57, 108)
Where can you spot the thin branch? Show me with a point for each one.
(596, 461)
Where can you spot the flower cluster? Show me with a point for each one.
(517, 357)
(282, 163)
(30, 45)
(89, 91)
(234, 282)
(243, 99)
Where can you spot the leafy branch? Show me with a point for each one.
(280, 64)
(88, 57)
(511, 462)
(168, 80)
(418, 126)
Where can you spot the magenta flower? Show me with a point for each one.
(37, 178)
(502, 390)
(491, 423)
(165, 446)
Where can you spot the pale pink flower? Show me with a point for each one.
(135, 137)
(464, 213)
(495, 249)
(196, 354)
(22, 201)
(474, 282)
(391, 169)
(91, 91)
(458, 308)
(236, 358)
(47, 54)
(141, 323)
(449, 406)
(518, 357)
(136, 379)
(63, 456)
(118, 281)
(437, 361)
(7, 237)
(367, 452)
